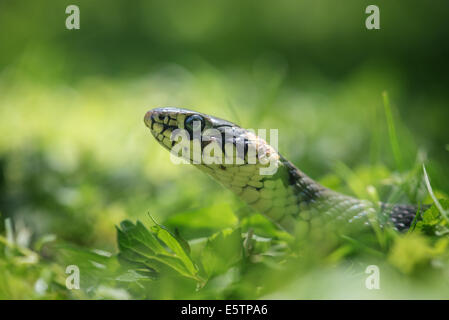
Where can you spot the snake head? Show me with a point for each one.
(234, 156)
(208, 141)
(164, 122)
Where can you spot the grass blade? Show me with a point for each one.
(392, 131)
(432, 195)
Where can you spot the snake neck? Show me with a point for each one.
(291, 199)
(286, 197)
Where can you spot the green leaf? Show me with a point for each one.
(131, 276)
(175, 246)
(222, 251)
(413, 250)
(143, 250)
(432, 222)
(202, 222)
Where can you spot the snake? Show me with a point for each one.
(288, 197)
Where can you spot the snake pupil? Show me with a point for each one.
(190, 121)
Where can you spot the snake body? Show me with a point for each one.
(288, 197)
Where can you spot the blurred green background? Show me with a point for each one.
(76, 158)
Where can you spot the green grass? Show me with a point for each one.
(78, 169)
(392, 131)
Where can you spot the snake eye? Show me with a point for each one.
(191, 121)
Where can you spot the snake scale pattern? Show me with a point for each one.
(288, 197)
